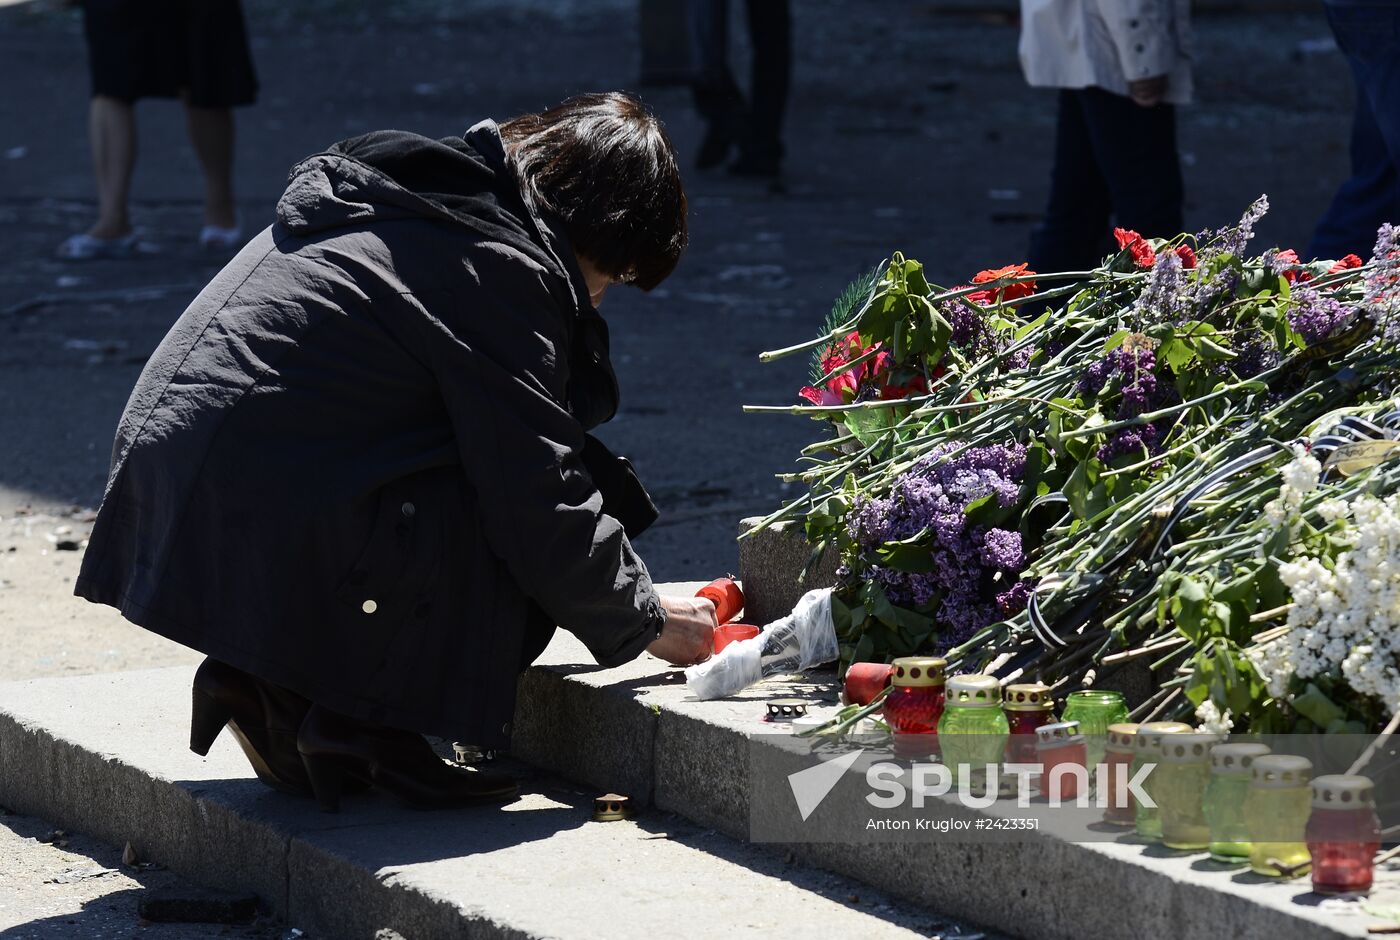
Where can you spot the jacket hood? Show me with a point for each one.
(389, 175)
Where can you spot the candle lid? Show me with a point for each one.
(1235, 760)
(1149, 735)
(1121, 737)
(1343, 791)
(1058, 734)
(916, 671)
(1279, 771)
(1027, 697)
(1186, 747)
(973, 690)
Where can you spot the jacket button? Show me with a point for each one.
(369, 606)
(408, 509)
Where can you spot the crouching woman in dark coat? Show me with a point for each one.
(356, 474)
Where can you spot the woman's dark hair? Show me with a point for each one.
(604, 165)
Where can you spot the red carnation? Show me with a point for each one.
(1344, 264)
(1139, 246)
(1006, 292)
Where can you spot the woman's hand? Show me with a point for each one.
(689, 635)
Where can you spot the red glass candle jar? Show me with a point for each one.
(733, 632)
(1343, 834)
(1119, 809)
(864, 681)
(726, 596)
(1061, 745)
(915, 704)
(1028, 706)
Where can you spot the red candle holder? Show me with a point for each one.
(1027, 705)
(864, 681)
(1060, 745)
(915, 702)
(732, 633)
(726, 597)
(1120, 808)
(1343, 834)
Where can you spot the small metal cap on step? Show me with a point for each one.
(786, 709)
(610, 807)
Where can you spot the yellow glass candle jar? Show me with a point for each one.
(1145, 751)
(1182, 777)
(1276, 812)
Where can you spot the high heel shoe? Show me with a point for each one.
(263, 718)
(336, 750)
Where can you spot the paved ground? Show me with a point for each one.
(908, 130)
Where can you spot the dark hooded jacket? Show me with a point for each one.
(354, 467)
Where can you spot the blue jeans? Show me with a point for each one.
(1114, 162)
(1369, 36)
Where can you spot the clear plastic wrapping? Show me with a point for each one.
(803, 639)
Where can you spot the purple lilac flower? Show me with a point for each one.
(1233, 240)
(1315, 316)
(1014, 599)
(1001, 549)
(930, 501)
(1128, 441)
(1382, 296)
(1162, 299)
(1130, 371)
(1255, 356)
(1019, 359)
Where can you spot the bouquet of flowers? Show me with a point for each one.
(1033, 473)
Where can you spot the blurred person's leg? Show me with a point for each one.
(112, 133)
(1367, 36)
(1072, 235)
(717, 95)
(1135, 148)
(770, 29)
(211, 132)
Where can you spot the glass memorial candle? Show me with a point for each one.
(1118, 757)
(973, 729)
(1060, 745)
(1028, 706)
(1343, 834)
(915, 704)
(1230, 769)
(1095, 711)
(1276, 810)
(1182, 778)
(1146, 743)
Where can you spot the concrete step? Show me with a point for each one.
(636, 728)
(106, 755)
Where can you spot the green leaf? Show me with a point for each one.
(911, 558)
(1314, 705)
(1116, 340)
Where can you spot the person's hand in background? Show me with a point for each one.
(1148, 92)
(689, 634)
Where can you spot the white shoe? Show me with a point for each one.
(85, 247)
(216, 238)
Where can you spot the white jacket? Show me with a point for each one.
(1107, 43)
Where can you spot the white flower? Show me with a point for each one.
(1212, 719)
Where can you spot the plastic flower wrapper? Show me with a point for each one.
(802, 640)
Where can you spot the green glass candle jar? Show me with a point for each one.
(1146, 743)
(1182, 778)
(1230, 768)
(973, 729)
(1095, 711)
(1276, 810)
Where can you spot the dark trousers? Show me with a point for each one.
(757, 124)
(1115, 162)
(1367, 36)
